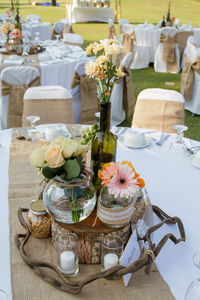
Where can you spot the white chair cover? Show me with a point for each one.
(159, 64)
(47, 92)
(141, 55)
(194, 104)
(117, 111)
(73, 38)
(33, 18)
(58, 27)
(22, 75)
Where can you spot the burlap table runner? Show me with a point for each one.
(158, 114)
(187, 76)
(16, 95)
(23, 187)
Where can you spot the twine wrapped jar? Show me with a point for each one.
(115, 212)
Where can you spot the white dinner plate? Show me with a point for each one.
(122, 140)
(193, 162)
(63, 132)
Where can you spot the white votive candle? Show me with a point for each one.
(67, 261)
(110, 260)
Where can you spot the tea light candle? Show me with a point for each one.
(67, 260)
(110, 260)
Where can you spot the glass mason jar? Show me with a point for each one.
(103, 145)
(115, 212)
(39, 220)
(70, 202)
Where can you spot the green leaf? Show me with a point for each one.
(72, 168)
(49, 172)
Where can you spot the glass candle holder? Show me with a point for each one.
(67, 253)
(111, 251)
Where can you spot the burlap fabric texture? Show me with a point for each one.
(187, 76)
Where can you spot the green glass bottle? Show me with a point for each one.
(103, 145)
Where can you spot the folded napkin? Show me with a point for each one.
(17, 62)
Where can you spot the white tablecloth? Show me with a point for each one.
(90, 14)
(43, 28)
(173, 185)
(58, 70)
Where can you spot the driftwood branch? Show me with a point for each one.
(74, 287)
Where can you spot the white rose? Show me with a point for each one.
(37, 158)
(70, 149)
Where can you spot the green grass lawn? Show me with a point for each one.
(137, 11)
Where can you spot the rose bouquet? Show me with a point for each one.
(63, 158)
(16, 34)
(104, 68)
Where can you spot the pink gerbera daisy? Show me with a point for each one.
(108, 170)
(123, 183)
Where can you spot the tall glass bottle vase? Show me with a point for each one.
(103, 145)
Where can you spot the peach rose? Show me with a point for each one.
(54, 156)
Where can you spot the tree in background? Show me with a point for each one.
(53, 2)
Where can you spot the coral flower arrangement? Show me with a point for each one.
(104, 68)
(120, 179)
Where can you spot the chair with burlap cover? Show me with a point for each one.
(53, 104)
(58, 28)
(14, 82)
(167, 56)
(84, 94)
(159, 109)
(141, 56)
(190, 79)
(122, 97)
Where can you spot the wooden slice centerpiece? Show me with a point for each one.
(90, 233)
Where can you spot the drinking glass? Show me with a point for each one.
(66, 245)
(178, 145)
(33, 130)
(193, 290)
(111, 251)
(57, 36)
(37, 39)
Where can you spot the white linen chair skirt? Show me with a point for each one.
(22, 75)
(33, 18)
(141, 54)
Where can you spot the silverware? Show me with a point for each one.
(19, 135)
(77, 133)
(162, 139)
(27, 135)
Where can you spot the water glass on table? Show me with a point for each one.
(33, 130)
